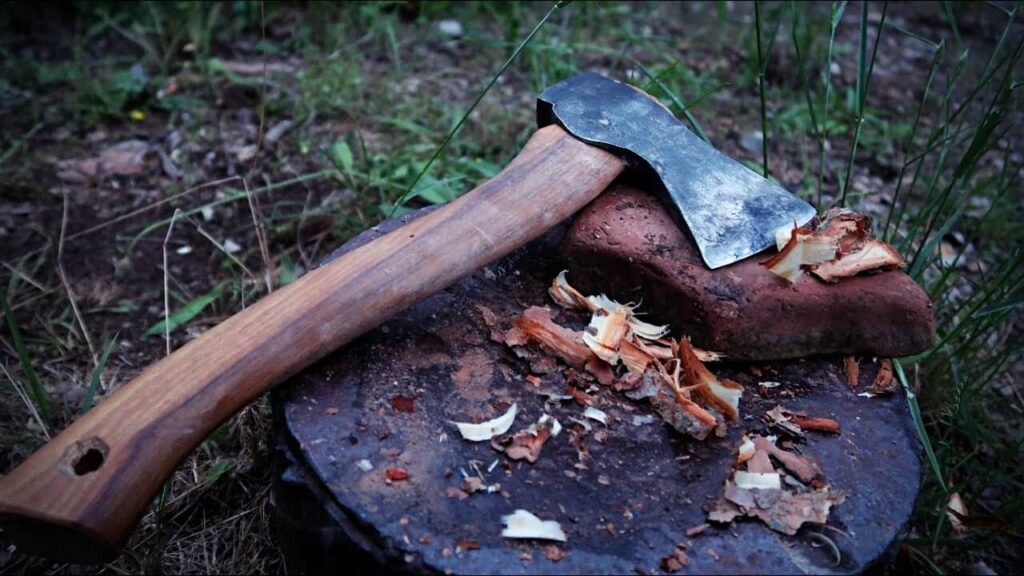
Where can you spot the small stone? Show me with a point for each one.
(231, 246)
(246, 153)
(451, 28)
(741, 310)
(752, 141)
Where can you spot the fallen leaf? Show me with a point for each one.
(760, 463)
(396, 474)
(486, 430)
(523, 524)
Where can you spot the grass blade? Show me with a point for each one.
(186, 313)
(94, 382)
(837, 16)
(864, 70)
(35, 389)
(761, 66)
(915, 412)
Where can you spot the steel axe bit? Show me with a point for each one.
(79, 497)
(731, 211)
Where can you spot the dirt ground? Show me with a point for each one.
(102, 184)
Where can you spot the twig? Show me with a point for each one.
(67, 285)
(167, 291)
(254, 207)
(152, 206)
(26, 278)
(24, 398)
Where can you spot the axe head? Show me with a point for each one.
(731, 211)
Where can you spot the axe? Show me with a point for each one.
(79, 497)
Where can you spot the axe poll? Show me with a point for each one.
(79, 497)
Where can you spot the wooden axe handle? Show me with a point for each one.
(80, 496)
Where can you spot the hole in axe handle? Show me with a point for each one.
(83, 457)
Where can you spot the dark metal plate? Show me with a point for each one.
(639, 492)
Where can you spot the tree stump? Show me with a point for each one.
(387, 401)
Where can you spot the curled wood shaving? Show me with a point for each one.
(803, 249)
(595, 414)
(723, 394)
(565, 295)
(486, 430)
(634, 358)
(875, 255)
(833, 246)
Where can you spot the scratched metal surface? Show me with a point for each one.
(653, 486)
(731, 211)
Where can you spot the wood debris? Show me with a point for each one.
(669, 373)
(487, 430)
(758, 491)
(527, 444)
(796, 422)
(523, 524)
(885, 382)
(833, 246)
(852, 371)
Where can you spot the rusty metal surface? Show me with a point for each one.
(624, 507)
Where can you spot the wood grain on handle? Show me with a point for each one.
(80, 496)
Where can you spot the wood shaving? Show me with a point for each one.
(833, 246)
(852, 371)
(536, 325)
(486, 430)
(523, 524)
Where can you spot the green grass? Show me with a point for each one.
(391, 114)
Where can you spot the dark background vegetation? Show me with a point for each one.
(239, 142)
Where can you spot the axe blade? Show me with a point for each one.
(731, 211)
